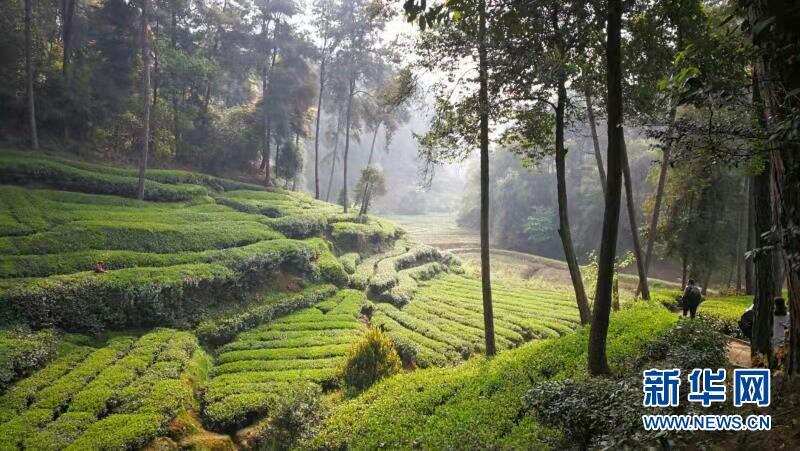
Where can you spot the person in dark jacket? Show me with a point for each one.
(691, 299)
(746, 323)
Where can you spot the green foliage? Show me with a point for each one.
(223, 328)
(390, 283)
(586, 409)
(350, 261)
(369, 360)
(23, 351)
(116, 397)
(444, 321)
(478, 404)
(88, 262)
(690, 344)
(17, 169)
(278, 360)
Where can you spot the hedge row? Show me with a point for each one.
(120, 396)
(18, 170)
(223, 328)
(281, 359)
(22, 351)
(444, 322)
(165, 176)
(477, 405)
(177, 295)
(138, 236)
(385, 284)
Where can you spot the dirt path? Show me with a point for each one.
(738, 352)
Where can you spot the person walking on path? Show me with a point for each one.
(691, 299)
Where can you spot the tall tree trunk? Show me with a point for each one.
(34, 137)
(644, 288)
(372, 146)
(265, 85)
(145, 42)
(483, 105)
(351, 93)
(662, 183)
(335, 155)
(67, 15)
(316, 132)
(778, 73)
(763, 303)
(741, 229)
(684, 270)
(749, 269)
(174, 42)
(598, 156)
(598, 363)
(563, 210)
(369, 160)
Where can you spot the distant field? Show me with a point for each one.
(440, 230)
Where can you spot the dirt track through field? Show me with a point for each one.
(441, 230)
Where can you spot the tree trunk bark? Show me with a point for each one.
(598, 156)
(684, 270)
(741, 229)
(749, 270)
(637, 247)
(67, 14)
(351, 93)
(265, 79)
(335, 155)
(662, 183)
(763, 304)
(316, 132)
(483, 100)
(598, 363)
(563, 210)
(144, 36)
(34, 137)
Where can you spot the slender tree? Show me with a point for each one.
(34, 137)
(483, 106)
(630, 203)
(144, 37)
(598, 363)
(598, 156)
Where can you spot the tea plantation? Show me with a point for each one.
(217, 314)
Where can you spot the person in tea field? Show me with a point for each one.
(691, 299)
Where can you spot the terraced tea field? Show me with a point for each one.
(264, 293)
(115, 397)
(444, 322)
(264, 366)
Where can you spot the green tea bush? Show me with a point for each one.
(350, 261)
(586, 410)
(177, 295)
(222, 329)
(369, 360)
(690, 344)
(479, 404)
(278, 360)
(22, 351)
(119, 396)
(25, 171)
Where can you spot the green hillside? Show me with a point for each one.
(216, 314)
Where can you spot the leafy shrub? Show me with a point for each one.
(369, 360)
(349, 261)
(24, 171)
(223, 329)
(293, 419)
(586, 410)
(690, 344)
(174, 295)
(23, 351)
